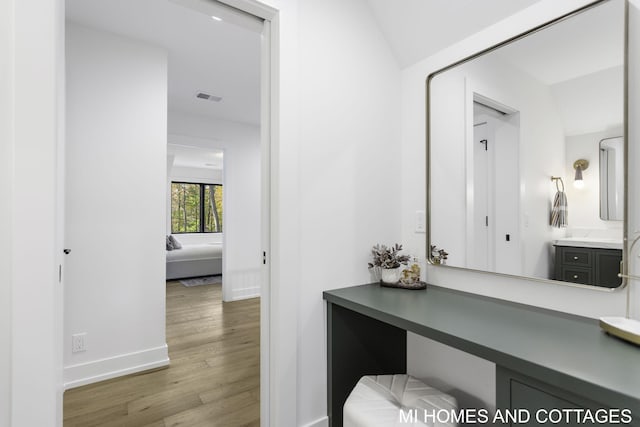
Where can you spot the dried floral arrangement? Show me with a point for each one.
(388, 257)
(438, 256)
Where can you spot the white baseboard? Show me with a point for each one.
(246, 293)
(243, 284)
(322, 422)
(112, 367)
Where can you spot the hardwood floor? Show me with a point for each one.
(213, 379)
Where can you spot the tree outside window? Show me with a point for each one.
(196, 208)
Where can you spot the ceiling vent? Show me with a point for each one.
(208, 97)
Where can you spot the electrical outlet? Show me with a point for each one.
(78, 342)
(421, 222)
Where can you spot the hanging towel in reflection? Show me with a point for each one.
(559, 211)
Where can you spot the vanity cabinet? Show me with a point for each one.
(545, 360)
(588, 266)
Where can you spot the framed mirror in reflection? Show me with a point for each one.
(612, 179)
(501, 123)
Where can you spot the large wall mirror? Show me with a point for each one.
(526, 145)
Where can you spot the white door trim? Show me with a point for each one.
(33, 50)
(269, 117)
(265, 223)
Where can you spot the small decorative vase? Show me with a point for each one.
(374, 273)
(390, 275)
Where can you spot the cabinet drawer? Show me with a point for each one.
(577, 275)
(576, 256)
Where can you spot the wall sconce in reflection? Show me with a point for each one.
(579, 166)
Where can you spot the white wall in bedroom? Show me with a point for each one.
(242, 252)
(193, 174)
(116, 170)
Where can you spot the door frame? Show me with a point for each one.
(472, 93)
(269, 115)
(34, 49)
(269, 145)
(474, 238)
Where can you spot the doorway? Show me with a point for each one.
(496, 188)
(115, 153)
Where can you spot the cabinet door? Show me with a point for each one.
(607, 267)
(543, 402)
(537, 404)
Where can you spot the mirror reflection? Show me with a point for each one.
(502, 124)
(612, 179)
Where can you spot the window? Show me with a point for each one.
(196, 208)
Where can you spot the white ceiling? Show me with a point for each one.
(589, 42)
(581, 61)
(219, 58)
(223, 59)
(416, 29)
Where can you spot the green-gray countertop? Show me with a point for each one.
(566, 351)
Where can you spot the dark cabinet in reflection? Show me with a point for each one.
(588, 266)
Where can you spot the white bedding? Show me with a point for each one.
(195, 252)
(194, 260)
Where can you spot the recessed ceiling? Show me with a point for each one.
(217, 57)
(194, 157)
(416, 29)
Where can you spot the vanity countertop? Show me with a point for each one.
(590, 242)
(566, 351)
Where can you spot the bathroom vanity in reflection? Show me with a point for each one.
(588, 261)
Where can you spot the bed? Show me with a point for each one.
(194, 260)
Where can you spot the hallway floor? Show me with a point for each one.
(213, 379)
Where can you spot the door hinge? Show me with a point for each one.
(486, 221)
(60, 273)
(264, 257)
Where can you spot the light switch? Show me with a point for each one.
(421, 222)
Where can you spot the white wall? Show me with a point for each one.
(349, 159)
(6, 193)
(242, 252)
(193, 174)
(591, 103)
(116, 171)
(587, 302)
(584, 204)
